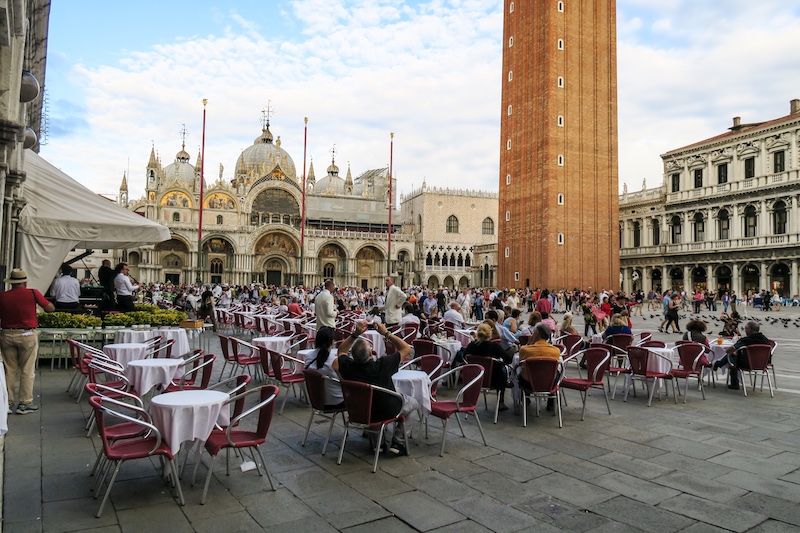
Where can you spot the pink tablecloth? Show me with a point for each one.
(276, 344)
(464, 336)
(188, 415)
(124, 353)
(148, 373)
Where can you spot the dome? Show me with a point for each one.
(329, 184)
(264, 155)
(179, 170)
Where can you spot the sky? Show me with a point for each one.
(125, 76)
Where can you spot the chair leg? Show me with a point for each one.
(605, 395)
(444, 434)
(769, 382)
(108, 490)
(341, 448)
(700, 383)
(208, 480)
(177, 482)
(524, 410)
(652, 391)
(378, 446)
(583, 410)
(308, 428)
(497, 407)
(285, 397)
(460, 426)
(480, 428)
(674, 395)
(685, 388)
(266, 468)
(558, 408)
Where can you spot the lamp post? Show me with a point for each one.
(391, 207)
(303, 215)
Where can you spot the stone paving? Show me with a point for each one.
(725, 464)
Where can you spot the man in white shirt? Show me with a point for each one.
(465, 303)
(513, 300)
(225, 297)
(454, 315)
(66, 290)
(324, 307)
(124, 288)
(191, 304)
(394, 302)
(217, 291)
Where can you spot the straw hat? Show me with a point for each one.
(17, 276)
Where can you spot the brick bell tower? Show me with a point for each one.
(559, 205)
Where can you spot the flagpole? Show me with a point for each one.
(303, 219)
(202, 179)
(391, 206)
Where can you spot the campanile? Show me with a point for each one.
(559, 206)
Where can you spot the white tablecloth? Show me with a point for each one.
(180, 347)
(657, 364)
(124, 353)
(464, 336)
(377, 340)
(447, 349)
(147, 373)
(276, 344)
(597, 337)
(414, 383)
(188, 415)
(310, 329)
(718, 351)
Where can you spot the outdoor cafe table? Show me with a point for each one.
(310, 329)
(148, 373)
(446, 349)
(124, 353)
(414, 383)
(180, 347)
(188, 415)
(276, 344)
(376, 339)
(464, 336)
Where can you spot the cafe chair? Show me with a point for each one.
(771, 366)
(653, 344)
(692, 362)
(465, 402)
(286, 377)
(430, 364)
(227, 356)
(150, 444)
(240, 439)
(358, 400)
(543, 377)
(315, 388)
(198, 377)
(246, 361)
(639, 358)
(488, 365)
(162, 349)
(758, 358)
(598, 362)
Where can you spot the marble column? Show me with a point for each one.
(792, 290)
(687, 279)
(763, 276)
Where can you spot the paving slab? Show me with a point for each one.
(643, 516)
(770, 487)
(579, 493)
(714, 513)
(777, 508)
(272, 508)
(493, 514)
(712, 489)
(421, 511)
(635, 488)
(634, 467)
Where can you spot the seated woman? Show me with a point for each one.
(619, 324)
(321, 360)
(283, 308)
(566, 325)
(534, 318)
(484, 347)
(549, 321)
(512, 323)
(694, 332)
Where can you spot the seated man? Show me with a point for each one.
(454, 315)
(360, 367)
(752, 330)
(539, 347)
(294, 308)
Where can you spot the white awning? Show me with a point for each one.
(61, 214)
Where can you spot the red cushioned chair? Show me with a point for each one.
(358, 399)
(227, 355)
(246, 361)
(286, 376)
(639, 358)
(758, 359)
(199, 375)
(431, 364)
(488, 364)
(542, 375)
(240, 439)
(465, 402)
(315, 388)
(692, 361)
(598, 361)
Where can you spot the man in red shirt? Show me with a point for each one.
(19, 341)
(294, 308)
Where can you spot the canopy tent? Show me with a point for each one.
(61, 214)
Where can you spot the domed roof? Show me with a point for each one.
(180, 171)
(330, 184)
(264, 155)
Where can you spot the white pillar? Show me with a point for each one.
(735, 278)
(763, 277)
(792, 290)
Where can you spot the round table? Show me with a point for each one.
(188, 415)
(276, 344)
(414, 383)
(179, 335)
(125, 352)
(464, 336)
(377, 341)
(310, 329)
(147, 373)
(447, 349)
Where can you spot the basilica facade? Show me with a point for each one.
(252, 224)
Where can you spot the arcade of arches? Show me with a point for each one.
(782, 276)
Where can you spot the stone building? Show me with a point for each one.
(449, 226)
(726, 216)
(558, 153)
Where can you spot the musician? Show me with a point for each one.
(124, 288)
(105, 276)
(66, 290)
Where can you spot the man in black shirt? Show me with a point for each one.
(105, 275)
(753, 334)
(361, 367)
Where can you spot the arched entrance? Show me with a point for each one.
(698, 278)
(750, 278)
(369, 261)
(723, 278)
(218, 258)
(463, 283)
(173, 255)
(656, 277)
(332, 261)
(449, 282)
(676, 278)
(276, 252)
(779, 279)
(433, 282)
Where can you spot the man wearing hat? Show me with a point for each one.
(18, 339)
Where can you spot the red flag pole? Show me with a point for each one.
(202, 179)
(303, 220)
(391, 206)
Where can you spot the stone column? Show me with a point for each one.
(735, 278)
(793, 280)
(647, 282)
(763, 277)
(793, 227)
(687, 279)
(710, 283)
(763, 223)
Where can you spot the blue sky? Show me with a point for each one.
(120, 77)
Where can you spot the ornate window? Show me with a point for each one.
(452, 260)
(452, 224)
(749, 167)
(561, 238)
(219, 219)
(216, 266)
(328, 270)
(779, 161)
(637, 235)
(698, 178)
(676, 182)
(176, 217)
(488, 226)
(724, 225)
(722, 173)
(699, 227)
(429, 260)
(656, 233)
(750, 221)
(675, 229)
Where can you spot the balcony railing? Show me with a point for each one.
(766, 181)
(768, 241)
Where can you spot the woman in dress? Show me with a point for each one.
(589, 317)
(672, 314)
